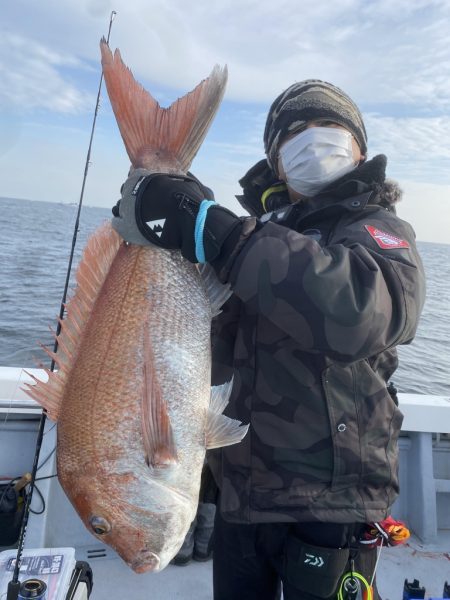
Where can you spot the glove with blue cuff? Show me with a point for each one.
(173, 212)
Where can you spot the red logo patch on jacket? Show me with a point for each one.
(386, 240)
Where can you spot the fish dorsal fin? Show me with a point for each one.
(156, 138)
(221, 430)
(218, 293)
(93, 268)
(157, 432)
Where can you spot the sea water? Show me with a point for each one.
(35, 244)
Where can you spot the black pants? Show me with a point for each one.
(249, 560)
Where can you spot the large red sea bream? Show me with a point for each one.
(132, 394)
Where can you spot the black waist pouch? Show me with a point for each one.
(314, 569)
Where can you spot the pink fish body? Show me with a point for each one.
(132, 394)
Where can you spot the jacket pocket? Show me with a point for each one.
(339, 386)
(365, 424)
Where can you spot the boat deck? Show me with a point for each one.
(429, 564)
(423, 504)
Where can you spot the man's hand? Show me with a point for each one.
(173, 212)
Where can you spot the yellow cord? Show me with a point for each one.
(356, 576)
(280, 187)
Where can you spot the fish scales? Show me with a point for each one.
(142, 281)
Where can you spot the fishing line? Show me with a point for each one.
(48, 457)
(377, 561)
(40, 512)
(14, 584)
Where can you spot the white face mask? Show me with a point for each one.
(316, 157)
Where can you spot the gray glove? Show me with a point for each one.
(124, 219)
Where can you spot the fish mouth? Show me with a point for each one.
(145, 561)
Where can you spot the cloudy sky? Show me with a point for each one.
(391, 56)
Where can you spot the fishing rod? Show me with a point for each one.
(14, 584)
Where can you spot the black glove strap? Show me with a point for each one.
(220, 223)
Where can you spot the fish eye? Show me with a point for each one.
(99, 525)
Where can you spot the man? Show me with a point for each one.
(326, 282)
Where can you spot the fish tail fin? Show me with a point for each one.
(91, 273)
(170, 136)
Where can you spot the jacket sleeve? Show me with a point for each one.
(348, 300)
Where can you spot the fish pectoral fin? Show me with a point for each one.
(221, 430)
(163, 457)
(156, 427)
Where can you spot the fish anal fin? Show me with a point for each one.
(157, 432)
(221, 430)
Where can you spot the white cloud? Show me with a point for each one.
(380, 52)
(31, 78)
(418, 148)
(372, 54)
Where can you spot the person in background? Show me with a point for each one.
(198, 543)
(326, 282)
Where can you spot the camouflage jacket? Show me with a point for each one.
(321, 299)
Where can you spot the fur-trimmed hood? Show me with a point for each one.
(370, 175)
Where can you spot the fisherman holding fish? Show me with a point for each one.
(326, 282)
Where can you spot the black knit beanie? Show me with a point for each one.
(310, 100)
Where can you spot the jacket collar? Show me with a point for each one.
(368, 178)
(369, 175)
(329, 205)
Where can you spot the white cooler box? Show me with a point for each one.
(52, 569)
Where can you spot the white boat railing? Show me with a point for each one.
(424, 460)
